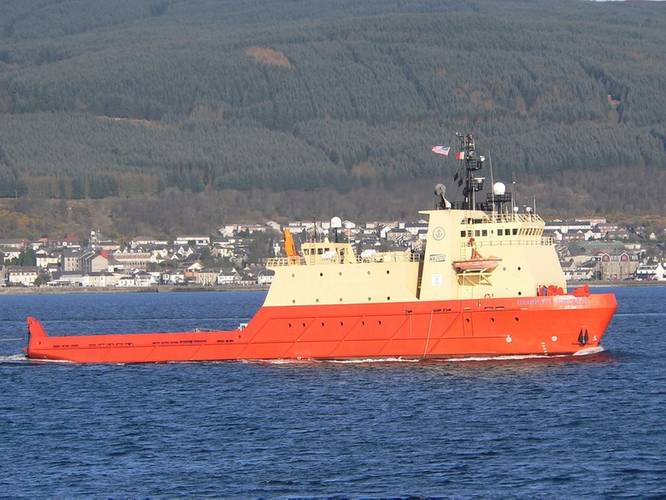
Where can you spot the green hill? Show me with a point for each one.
(131, 97)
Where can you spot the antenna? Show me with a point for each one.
(492, 181)
(514, 197)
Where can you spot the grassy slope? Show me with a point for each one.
(283, 96)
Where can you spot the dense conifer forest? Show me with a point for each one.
(135, 101)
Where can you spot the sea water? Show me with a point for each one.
(569, 426)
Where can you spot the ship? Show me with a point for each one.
(486, 282)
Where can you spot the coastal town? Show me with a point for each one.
(233, 256)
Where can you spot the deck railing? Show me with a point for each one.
(378, 258)
(512, 217)
(511, 242)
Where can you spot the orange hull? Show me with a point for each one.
(562, 324)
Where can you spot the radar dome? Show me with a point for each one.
(336, 222)
(499, 189)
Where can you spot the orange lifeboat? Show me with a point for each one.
(476, 263)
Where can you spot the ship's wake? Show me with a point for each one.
(13, 358)
(22, 358)
(589, 351)
(372, 360)
(454, 359)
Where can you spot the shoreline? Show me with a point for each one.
(152, 289)
(616, 284)
(257, 288)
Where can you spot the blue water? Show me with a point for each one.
(585, 426)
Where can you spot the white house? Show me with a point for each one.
(22, 276)
(99, 279)
(227, 277)
(198, 239)
(651, 272)
(195, 267)
(44, 258)
(147, 240)
(10, 253)
(206, 277)
(143, 279)
(139, 279)
(172, 277)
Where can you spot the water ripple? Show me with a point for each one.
(482, 426)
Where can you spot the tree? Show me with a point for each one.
(25, 259)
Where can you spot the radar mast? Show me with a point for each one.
(470, 163)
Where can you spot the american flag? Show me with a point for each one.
(441, 150)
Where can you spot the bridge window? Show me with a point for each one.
(484, 232)
(500, 232)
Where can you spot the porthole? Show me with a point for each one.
(467, 320)
(369, 298)
(388, 272)
(322, 323)
(363, 323)
(289, 325)
(492, 320)
(520, 293)
(316, 300)
(516, 318)
(368, 272)
(340, 273)
(388, 298)
(293, 275)
(303, 325)
(519, 268)
(342, 323)
(321, 274)
(379, 322)
(340, 299)
(293, 301)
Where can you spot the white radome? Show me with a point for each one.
(336, 222)
(499, 189)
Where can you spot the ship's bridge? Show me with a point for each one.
(502, 229)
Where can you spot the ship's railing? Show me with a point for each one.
(510, 242)
(499, 217)
(378, 258)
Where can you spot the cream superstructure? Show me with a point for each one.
(330, 273)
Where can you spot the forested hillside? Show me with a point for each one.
(129, 98)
